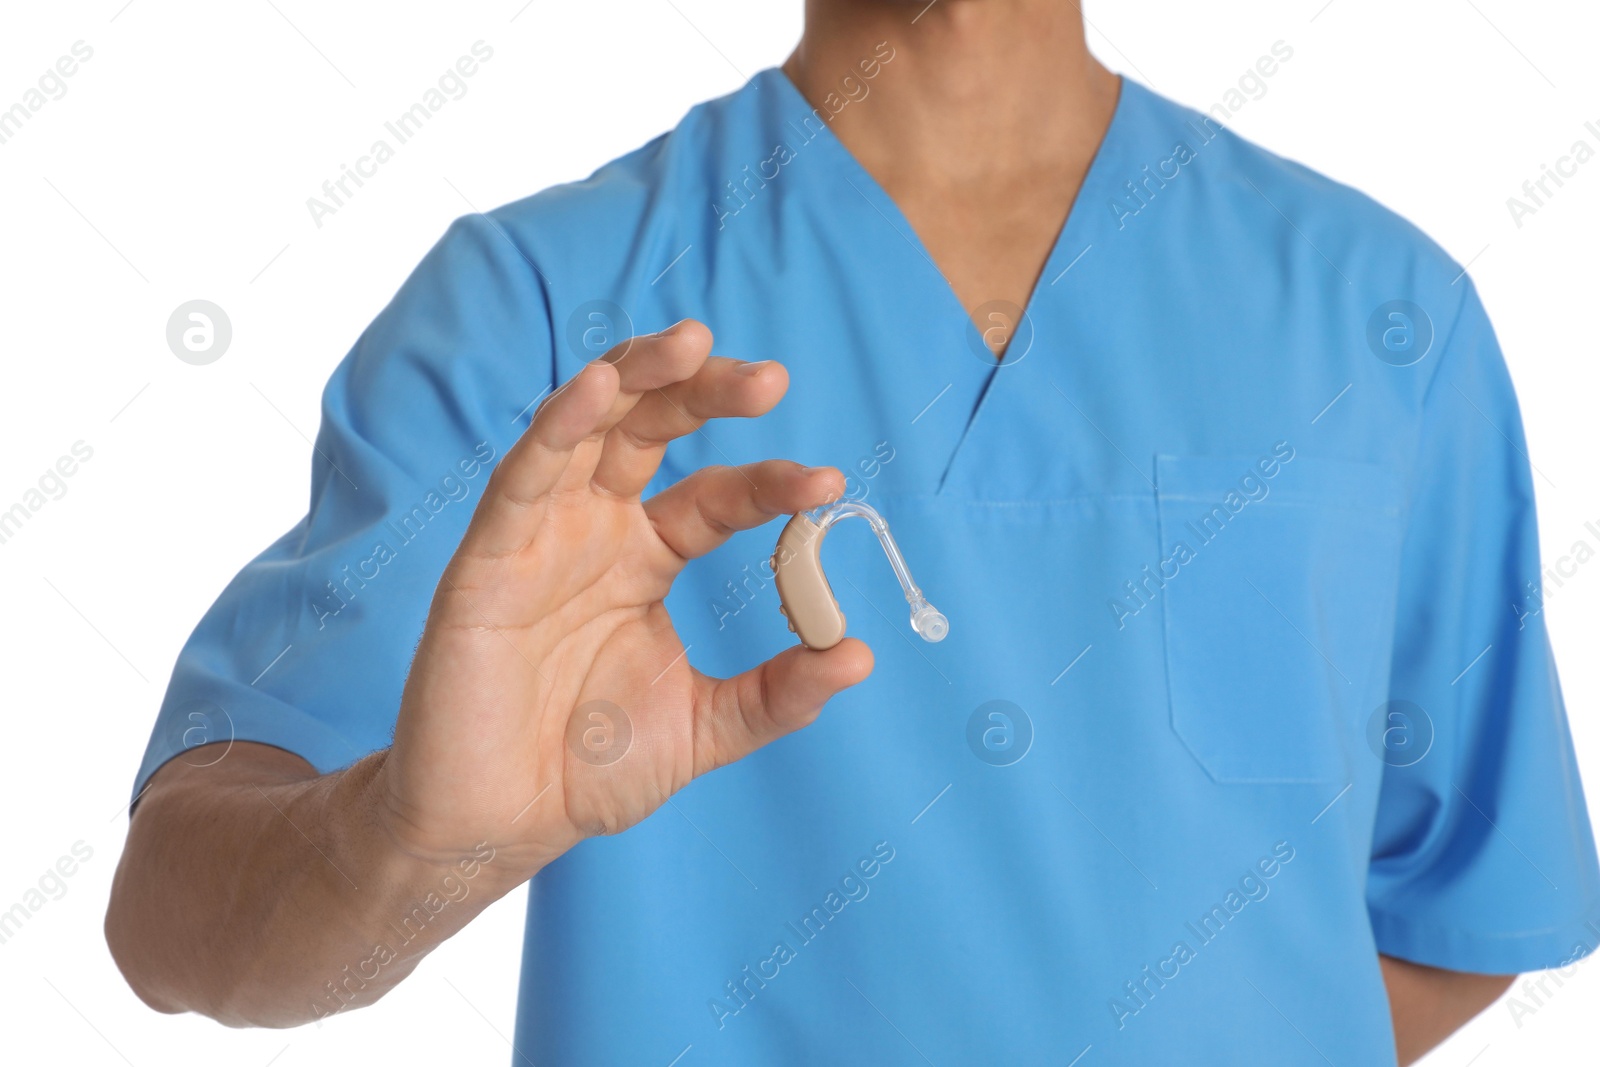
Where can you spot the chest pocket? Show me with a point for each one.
(1278, 609)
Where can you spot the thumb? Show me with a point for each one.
(738, 715)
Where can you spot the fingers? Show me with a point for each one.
(565, 440)
(719, 388)
(654, 360)
(642, 365)
(536, 464)
(705, 509)
(740, 714)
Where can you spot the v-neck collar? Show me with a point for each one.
(1072, 241)
(968, 400)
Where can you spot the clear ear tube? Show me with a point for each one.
(928, 621)
(807, 598)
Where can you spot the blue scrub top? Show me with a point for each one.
(1246, 680)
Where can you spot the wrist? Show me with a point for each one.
(406, 858)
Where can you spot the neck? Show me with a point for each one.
(975, 90)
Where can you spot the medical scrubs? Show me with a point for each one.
(1246, 680)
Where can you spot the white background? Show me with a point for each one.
(177, 167)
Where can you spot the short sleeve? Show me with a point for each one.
(307, 648)
(1483, 858)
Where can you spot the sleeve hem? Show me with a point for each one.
(1515, 952)
(260, 719)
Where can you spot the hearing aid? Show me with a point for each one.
(805, 597)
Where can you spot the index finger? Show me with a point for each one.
(712, 504)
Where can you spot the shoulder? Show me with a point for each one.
(1269, 201)
(607, 233)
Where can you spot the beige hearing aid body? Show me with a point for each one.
(807, 599)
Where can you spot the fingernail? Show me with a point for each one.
(752, 369)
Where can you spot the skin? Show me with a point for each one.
(1427, 1005)
(252, 890)
(247, 884)
(981, 128)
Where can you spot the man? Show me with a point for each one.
(1237, 751)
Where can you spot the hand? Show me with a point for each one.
(554, 602)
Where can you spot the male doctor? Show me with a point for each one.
(1240, 749)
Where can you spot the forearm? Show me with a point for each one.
(1428, 1004)
(260, 894)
